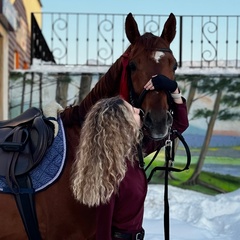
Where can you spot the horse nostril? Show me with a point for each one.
(147, 120)
(141, 114)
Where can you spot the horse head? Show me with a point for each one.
(150, 55)
(147, 55)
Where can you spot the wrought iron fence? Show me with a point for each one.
(99, 39)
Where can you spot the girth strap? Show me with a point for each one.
(26, 207)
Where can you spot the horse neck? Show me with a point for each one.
(107, 86)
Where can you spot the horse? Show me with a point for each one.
(59, 215)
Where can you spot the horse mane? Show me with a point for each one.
(107, 86)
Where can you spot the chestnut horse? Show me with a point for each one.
(59, 215)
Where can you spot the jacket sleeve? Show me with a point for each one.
(180, 117)
(180, 123)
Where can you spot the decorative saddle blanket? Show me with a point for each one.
(49, 169)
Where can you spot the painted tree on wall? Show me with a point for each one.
(63, 81)
(226, 103)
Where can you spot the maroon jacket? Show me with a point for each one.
(125, 210)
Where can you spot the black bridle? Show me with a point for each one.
(137, 101)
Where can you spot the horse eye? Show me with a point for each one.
(132, 66)
(175, 67)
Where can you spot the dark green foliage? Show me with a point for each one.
(65, 78)
(202, 113)
(231, 100)
(15, 75)
(226, 114)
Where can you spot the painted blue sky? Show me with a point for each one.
(165, 7)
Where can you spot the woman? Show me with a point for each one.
(107, 175)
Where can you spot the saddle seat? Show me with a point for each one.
(26, 116)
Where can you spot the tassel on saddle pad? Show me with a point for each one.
(23, 143)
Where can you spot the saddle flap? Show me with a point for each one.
(41, 135)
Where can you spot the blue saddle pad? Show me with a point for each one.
(49, 169)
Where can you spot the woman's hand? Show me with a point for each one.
(161, 82)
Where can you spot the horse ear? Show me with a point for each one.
(169, 30)
(131, 29)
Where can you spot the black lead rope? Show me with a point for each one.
(166, 204)
(169, 159)
(170, 168)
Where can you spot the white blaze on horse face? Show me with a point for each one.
(158, 55)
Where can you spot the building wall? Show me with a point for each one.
(19, 40)
(33, 6)
(8, 22)
(3, 73)
(15, 46)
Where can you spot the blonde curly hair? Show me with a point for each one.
(109, 136)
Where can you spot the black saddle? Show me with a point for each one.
(23, 143)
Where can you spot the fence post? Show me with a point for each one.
(32, 39)
(180, 41)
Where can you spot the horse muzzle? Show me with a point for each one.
(155, 127)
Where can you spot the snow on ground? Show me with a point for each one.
(193, 216)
